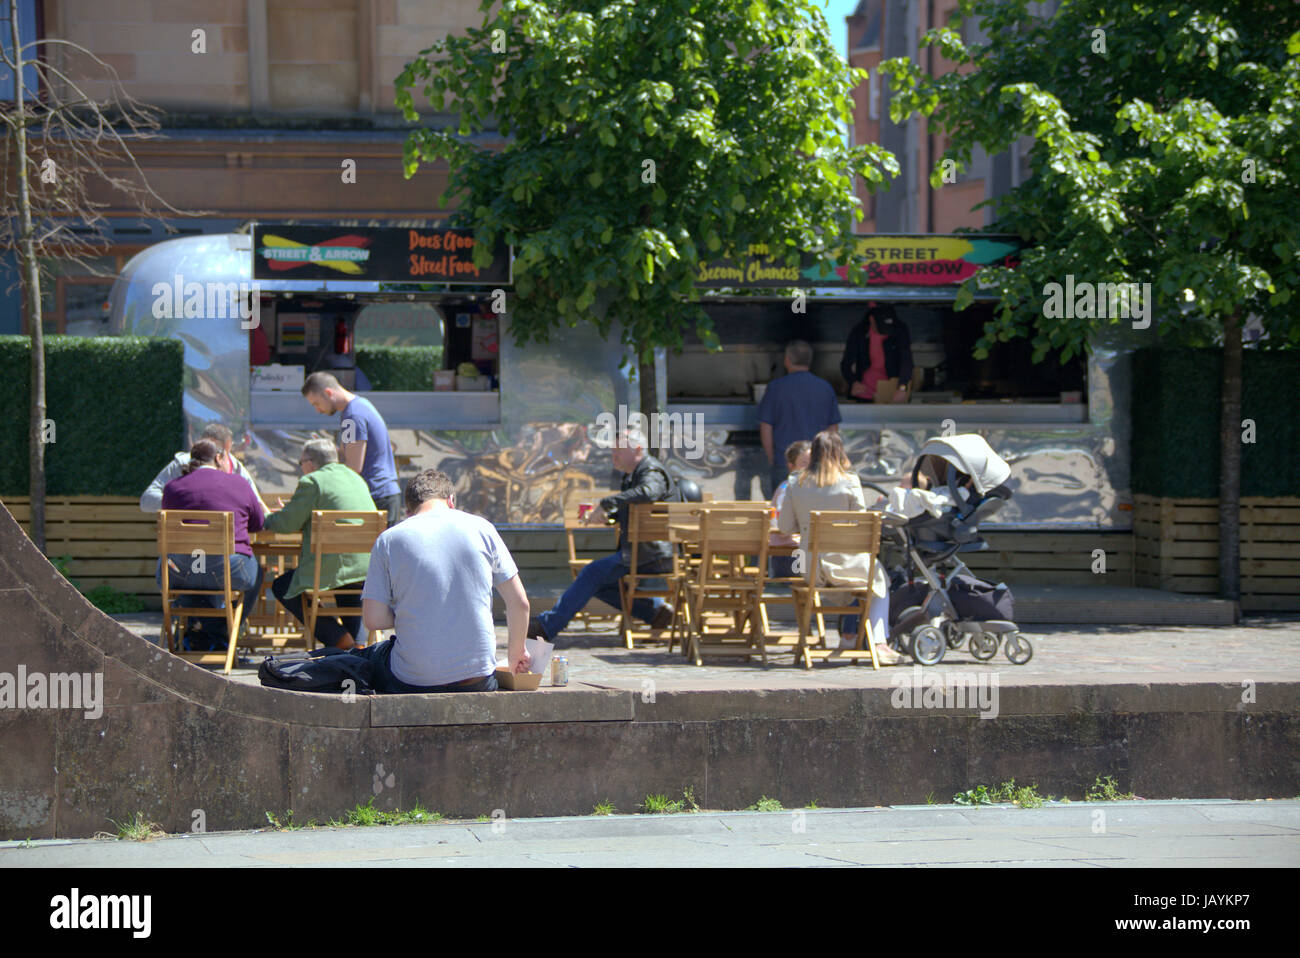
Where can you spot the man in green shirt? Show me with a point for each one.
(325, 484)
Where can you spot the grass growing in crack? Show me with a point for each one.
(663, 805)
(765, 804)
(287, 824)
(812, 804)
(1025, 796)
(367, 814)
(1106, 790)
(604, 808)
(931, 800)
(135, 829)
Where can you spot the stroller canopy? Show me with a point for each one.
(973, 456)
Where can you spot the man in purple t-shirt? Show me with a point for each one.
(205, 485)
(363, 440)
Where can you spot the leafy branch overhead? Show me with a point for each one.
(618, 146)
(1165, 150)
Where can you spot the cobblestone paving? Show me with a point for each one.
(1259, 649)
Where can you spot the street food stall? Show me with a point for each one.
(514, 426)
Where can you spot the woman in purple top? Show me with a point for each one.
(205, 485)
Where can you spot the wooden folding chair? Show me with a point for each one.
(573, 525)
(728, 586)
(647, 522)
(836, 532)
(333, 532)
(212, 535)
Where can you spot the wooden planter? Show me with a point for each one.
(1177, 548)
(110, 541)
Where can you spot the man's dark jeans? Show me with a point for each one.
(386, 682)
(393, 505)
(329, 630)
(245, 577)
(599, 579)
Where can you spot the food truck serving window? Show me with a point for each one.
(753, 335)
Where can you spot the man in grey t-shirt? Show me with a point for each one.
(430, 580)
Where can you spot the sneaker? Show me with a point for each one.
(535, 629)
(887, 656)
(663, 618)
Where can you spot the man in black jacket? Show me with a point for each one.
(896, 345)
(644, 480)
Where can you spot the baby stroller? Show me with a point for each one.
(936, 603)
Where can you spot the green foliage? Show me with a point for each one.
(367, 814)
(1175, 415)
(604, 808)
(111, 600)
(644, 139)
(765, 804)
(661, 805)
(287, 824)
(1106, 790)
(115, 403)
(399, 368)
(137, 828)
(103, 597)
(1024, 796)
(1169, 157)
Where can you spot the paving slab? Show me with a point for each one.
(1259, 650)
(1186, 834)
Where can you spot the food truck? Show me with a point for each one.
(518, 428)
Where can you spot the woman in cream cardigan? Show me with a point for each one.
(829, 484)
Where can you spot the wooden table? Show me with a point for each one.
(270, 622)
(687, 534)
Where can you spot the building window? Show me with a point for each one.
(29, 27)
(74, 296)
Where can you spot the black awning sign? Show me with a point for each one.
(386, 254)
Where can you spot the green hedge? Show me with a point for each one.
(399, 368)
(1175, 450)
(116, 405)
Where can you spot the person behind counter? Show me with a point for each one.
(877, 361)
(363, 440)
(325, 484)
(830, 484)
(796, 406)
(151, 498)
(205, 486)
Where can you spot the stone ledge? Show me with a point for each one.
(501, 708)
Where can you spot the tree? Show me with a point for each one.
(1165, 152)
(643, 139)
(78, 142)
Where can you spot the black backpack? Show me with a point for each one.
(326, 671)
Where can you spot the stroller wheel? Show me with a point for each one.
(983, 646)
(1019, 648)
(928, 645)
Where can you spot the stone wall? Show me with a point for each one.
(174, 739)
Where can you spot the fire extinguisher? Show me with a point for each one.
(342, 338)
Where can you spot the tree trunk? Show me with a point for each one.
(645, 374)
(32, 282)
(1230, 461)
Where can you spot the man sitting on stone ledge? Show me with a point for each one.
(430, 580)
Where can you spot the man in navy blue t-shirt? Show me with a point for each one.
(363, 440)
(797, 406)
